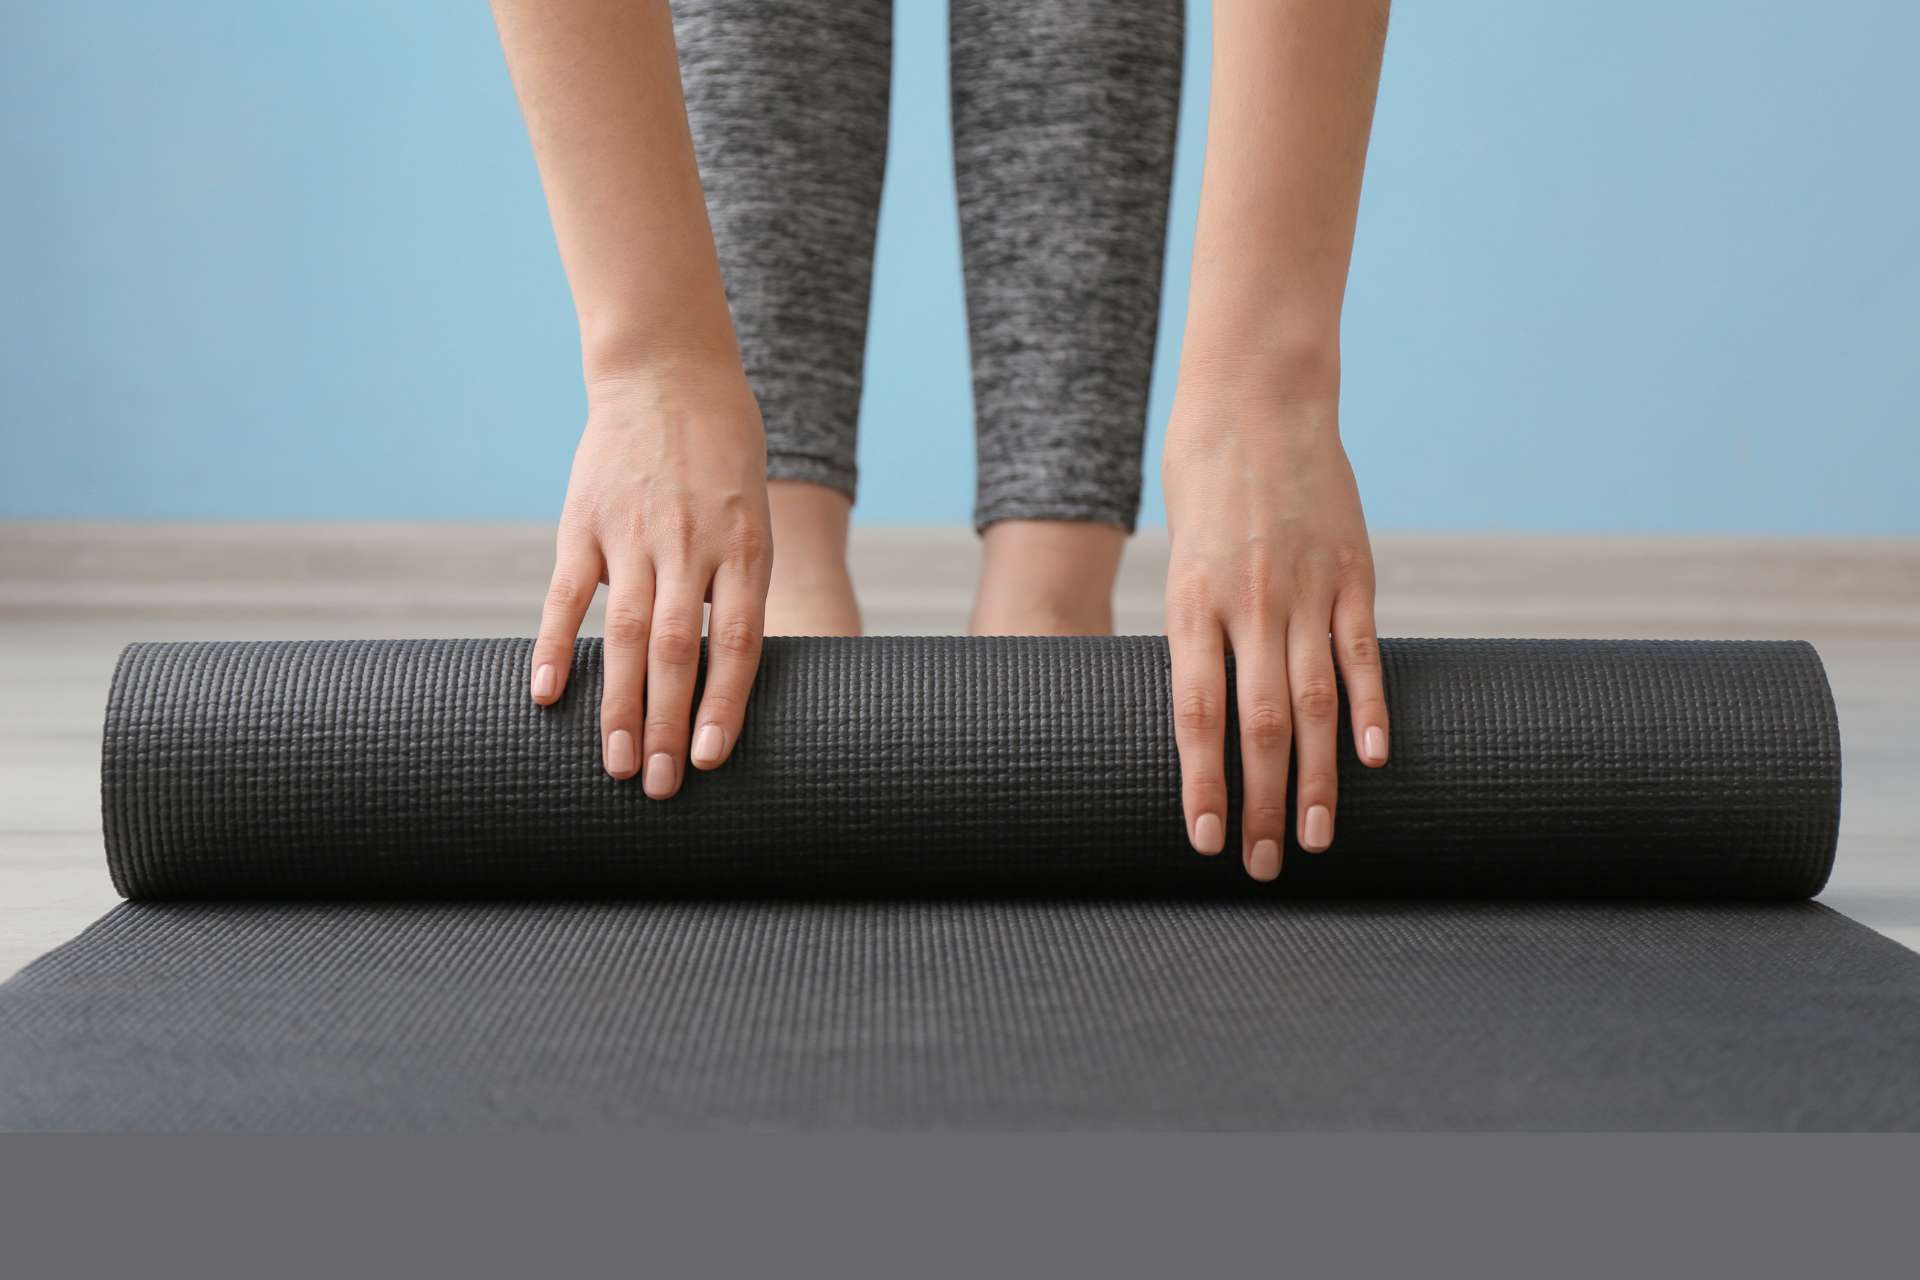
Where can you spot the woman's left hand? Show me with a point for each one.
(1270, 561)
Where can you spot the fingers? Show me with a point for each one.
(672, 667)
(576, 576)
(733, 656)
(1265, 703)
(653, 663)
(630, 608)
(1199, 724)
(1316, 711)
(1357, 647)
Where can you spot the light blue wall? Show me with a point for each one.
(1638, 266)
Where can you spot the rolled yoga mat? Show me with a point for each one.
(944, 882)
(908, 766)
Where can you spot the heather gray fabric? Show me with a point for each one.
(965, 1014)
(1063, 126)
(1063, 120)
(788, 104)
(1650, 815)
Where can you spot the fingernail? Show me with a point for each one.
(1208, 835)
(621, 757)
(659, 779)
(1264, 862)
(708, 744)
(545, 680)
(1376, 743)
(1319, 829)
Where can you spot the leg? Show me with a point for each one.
(1063, 114)
(788, 104)
(811, 593)
(1047, 578)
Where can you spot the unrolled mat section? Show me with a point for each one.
(965, 1014)
(944, 884)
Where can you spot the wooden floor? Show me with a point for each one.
(72, 594)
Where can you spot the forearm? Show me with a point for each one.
(599, 85)
(1292, 104)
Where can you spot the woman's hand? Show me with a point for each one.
(668, 501)
(667, 506)
(1270, 554)
(1270, 560)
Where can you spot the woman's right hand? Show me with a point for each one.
(667, 505)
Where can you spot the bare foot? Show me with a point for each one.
(1047, 578)
(812, 593)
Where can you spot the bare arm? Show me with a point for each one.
(667, 502)
(1270, 551)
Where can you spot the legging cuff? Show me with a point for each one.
(841, 477)
(1085, 510)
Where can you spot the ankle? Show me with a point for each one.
(812, 518)
(810, 525)
(811, 592)
(1048, 577)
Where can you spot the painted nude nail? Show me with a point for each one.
(621, 757)
(659, 779)
(1376, 743)
(1264, 862)
(545, 680)
(1319, 833)
(1208, 835)
(708, 744)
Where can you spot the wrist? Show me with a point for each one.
(1269, 353)
(1288, 389)
(691, 396)
(662, 372)
(627, 344)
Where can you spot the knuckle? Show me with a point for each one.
(735, 638)
(627, 625)
(564, 591)
(675, 642)
(1204, 782)
(1258, 597)
(618, 711)
(1189, 607)
(665, 731)
(1315, 701)
(1263, 818)
(1318, 785)
(1267, 725)
(666, 529)
(676, 531)
(719, 705)
(1361, 650)
(747, 544)
(1352, 562)
(579, 521)
(1261, 572)
(1197, 710)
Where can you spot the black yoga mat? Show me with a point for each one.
(902, 766)
(944, 883)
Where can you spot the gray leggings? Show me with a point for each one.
(1063, 121)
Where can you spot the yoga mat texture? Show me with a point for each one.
(903, 766)
(943, 883)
